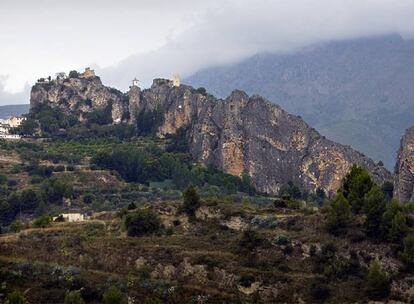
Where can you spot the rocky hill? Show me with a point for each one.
(404, 169)
(242, 135)
(355, 92)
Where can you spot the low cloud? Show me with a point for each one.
(234, 30)
(7, 98)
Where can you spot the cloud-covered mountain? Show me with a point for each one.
(358, 92)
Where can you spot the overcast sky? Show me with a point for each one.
(156, 38)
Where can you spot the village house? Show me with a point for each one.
(72, 217)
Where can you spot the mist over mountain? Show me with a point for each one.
(357, 92)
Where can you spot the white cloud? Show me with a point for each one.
(242, 28)
(156, 38)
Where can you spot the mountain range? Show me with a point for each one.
(13, 110)
(357, 92)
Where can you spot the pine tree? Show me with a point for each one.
(398, 227)
(339, 213)
(378, 285)
(191, 200)
(386, 222)
(407, 255)
(356, 184)
(374, 208)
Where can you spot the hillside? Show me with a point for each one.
(162, 216)
(13, 110)
(355, 92)
(246, 136)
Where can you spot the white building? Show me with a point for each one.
(10, 136)
(72, 217)
(135, 82)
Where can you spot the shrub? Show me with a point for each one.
(280, 203)
(281, 240)
(42, 222)
(70, 168)
(11, 183)
(88, 198)
(319, 289)
(3, 179)
(264, 222)
(114, 296)
(73, 297)
(378, 285)
(16, 226)
(249, 241)
(246, 280)
(132, 206)
(191, 200)
(59, 218)
(16, 297)
(142, 222)
(290, 191)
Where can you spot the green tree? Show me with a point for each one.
(16, 226)
(16, 297)
(114, 296)
(141, 222)
(356, 184)
(398, 228)
(191, 200)
(392, 209)
(339, 213)
(407, 255)
(42, 222)
(55, 190)
(73, 297)
(378, 284)
(27, 127)
(29, 199)
(374, 208)
(74, 74)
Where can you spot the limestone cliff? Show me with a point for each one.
(240, 135)
(404, 169)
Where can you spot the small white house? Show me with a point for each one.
(72, 217)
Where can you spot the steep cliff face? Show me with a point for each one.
(241, 134)
(404, 169)
(250, 135)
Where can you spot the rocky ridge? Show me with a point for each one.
(242, 135)
(404, 169)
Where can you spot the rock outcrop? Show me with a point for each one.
(242, 135)
(404, 169)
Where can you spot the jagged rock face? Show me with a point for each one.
(79, 96)
(240, 135)
(404, 169)
(249, 135)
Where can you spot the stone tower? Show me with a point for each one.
(134, 100)
(88, 73)
(176, 80)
